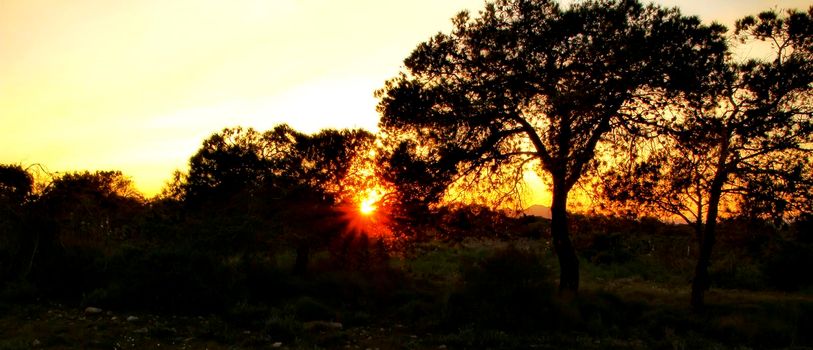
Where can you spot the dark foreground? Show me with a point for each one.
(749, 321)
(474, 295)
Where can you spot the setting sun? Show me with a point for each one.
(368, 204)
(368, 214)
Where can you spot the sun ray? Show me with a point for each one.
(368, 203)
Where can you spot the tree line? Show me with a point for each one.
(645, 107)
(529, 84)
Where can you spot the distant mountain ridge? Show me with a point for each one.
(538, 210)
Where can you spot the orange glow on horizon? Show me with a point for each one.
(136, 86)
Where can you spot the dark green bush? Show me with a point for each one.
(283, 326)
(17, 291)
(788, 268)
(511, 289)
(168, 278)
(310, 309)
(602, 312)
(608, 249)
(735, 272)
(65, 274)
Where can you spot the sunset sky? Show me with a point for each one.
(137, 85)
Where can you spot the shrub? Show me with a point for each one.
(17, 292)
(65, 274)
(309, 309)
(509, 290)
(171, 278)
(788, 268)
(737, 272)
(283, 326)
(608, 249)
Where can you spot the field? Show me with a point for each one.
(473, 294)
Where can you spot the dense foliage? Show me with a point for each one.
(266, 232)
(744, 144)
(531, 84)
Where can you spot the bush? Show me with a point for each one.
(65, 274)
(172, 279)
(283, 326)
(17, 292)
(733, 271)
(788, 268)
(608, 249)
(309, 309)
(511, 289)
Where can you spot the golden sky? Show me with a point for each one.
(137, 85)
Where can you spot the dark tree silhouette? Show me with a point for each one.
(231, 163)
(417, 181)
(74, 214)
(747, 142)
(238, 160)
(326, 160)
(281, 180)
(782, 191)
(318, 177)
(530, 82)
(90, 209)
(764, 112)
(16, 186)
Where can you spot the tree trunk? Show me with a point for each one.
(302, 258)
(701, 282)
(568, 262)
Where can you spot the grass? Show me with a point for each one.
(476, 294)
